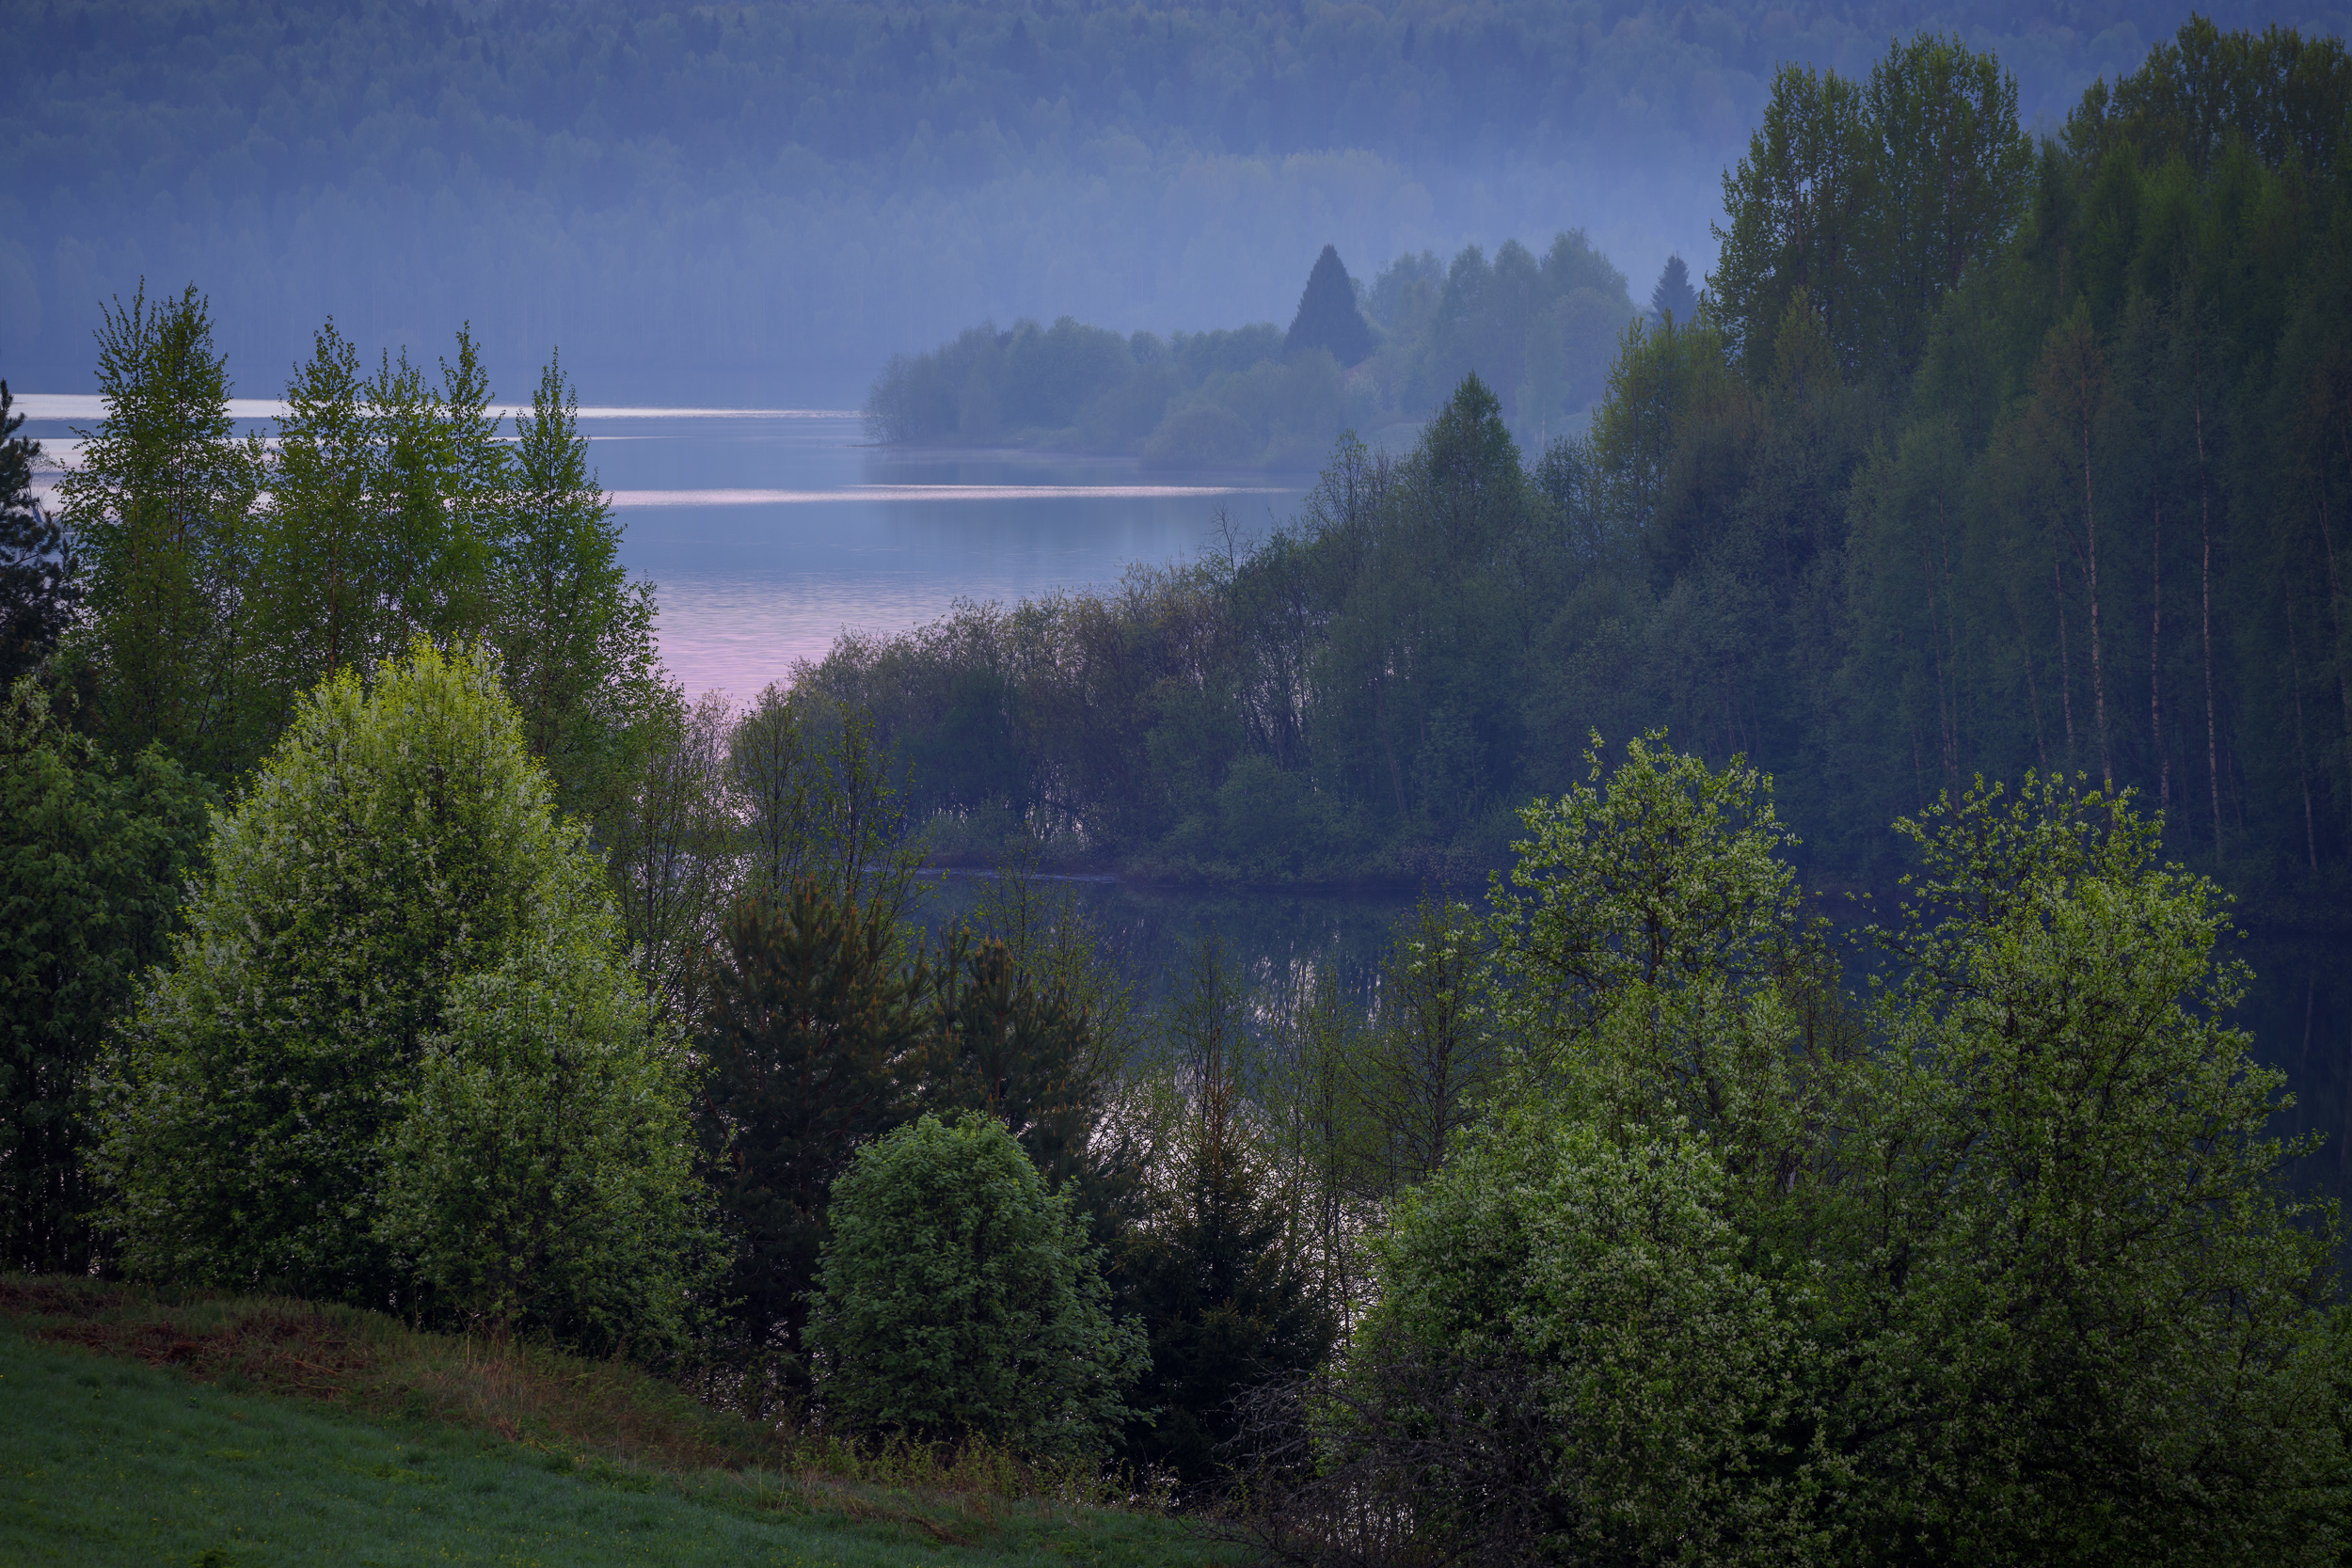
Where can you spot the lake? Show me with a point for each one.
(769, 533)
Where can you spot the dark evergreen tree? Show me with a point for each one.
(1225, 1303)
(1024, 1053)
(38, 574)
(93, 851)
(1674, 296)
(1328, 317)
(817, 1042)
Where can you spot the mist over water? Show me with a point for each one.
(770, 537)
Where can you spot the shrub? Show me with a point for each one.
(962, 1299)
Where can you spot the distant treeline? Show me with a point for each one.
(1542, 331)
(2037, 463)
(790, 191)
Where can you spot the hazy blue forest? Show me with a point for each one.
(2054, 481)
(771, 199)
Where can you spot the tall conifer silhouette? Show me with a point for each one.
(1328, 317)
(1673, 294)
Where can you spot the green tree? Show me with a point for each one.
(162, 507)
(93, 851)
(1674, 297)
(672, 847)
(816, 1039)
(2087, 1322)
(540, 1178)
(576, 633)
(40, 574)
(1419, 1073)
(1226, 1306)
(816, 787)
(397, 841)
(1024, 1052)
(1874, 197)
(323, 583)
(1636, 1393)
(963, 1298)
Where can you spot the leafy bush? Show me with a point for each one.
(960, 1298)
(1664, 1376)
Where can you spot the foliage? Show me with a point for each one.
(228, 576)
(1874, 197)
(2000, 1260)
(1026, 1052)
(1424, 1069)
(93, 852)
(396, 849)
(1667, 1382)
(961, 1297)
(1224, 1301)
(821, 805)
(160, 505)
(40, 574)
(672, 845)
(817, 1040)
(575, 633)
(540, 1178)
(2087, 1321)
(1674, 296)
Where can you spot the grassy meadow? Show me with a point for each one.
(140, 1430)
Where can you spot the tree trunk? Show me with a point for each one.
(2091, 571)
(2205, 506)
(2066, 660)
(2155, 665)
(2302, 762)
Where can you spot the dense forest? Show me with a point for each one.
(765, 201)
(1982, 455)
(1354, 358)
(381, 925)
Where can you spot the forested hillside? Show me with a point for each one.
(769, 199)
(1985, 455)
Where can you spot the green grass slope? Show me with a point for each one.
(106, 1458)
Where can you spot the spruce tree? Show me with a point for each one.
(39, 573)
(1328, 317)
(1225, 1303)
(816, 1043)
(1674, 296)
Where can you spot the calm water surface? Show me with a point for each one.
(770, 535)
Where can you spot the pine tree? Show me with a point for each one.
(1225, 1303)
(39, 573)
(1328, 317)
(1674, 296)
(815, 1044)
